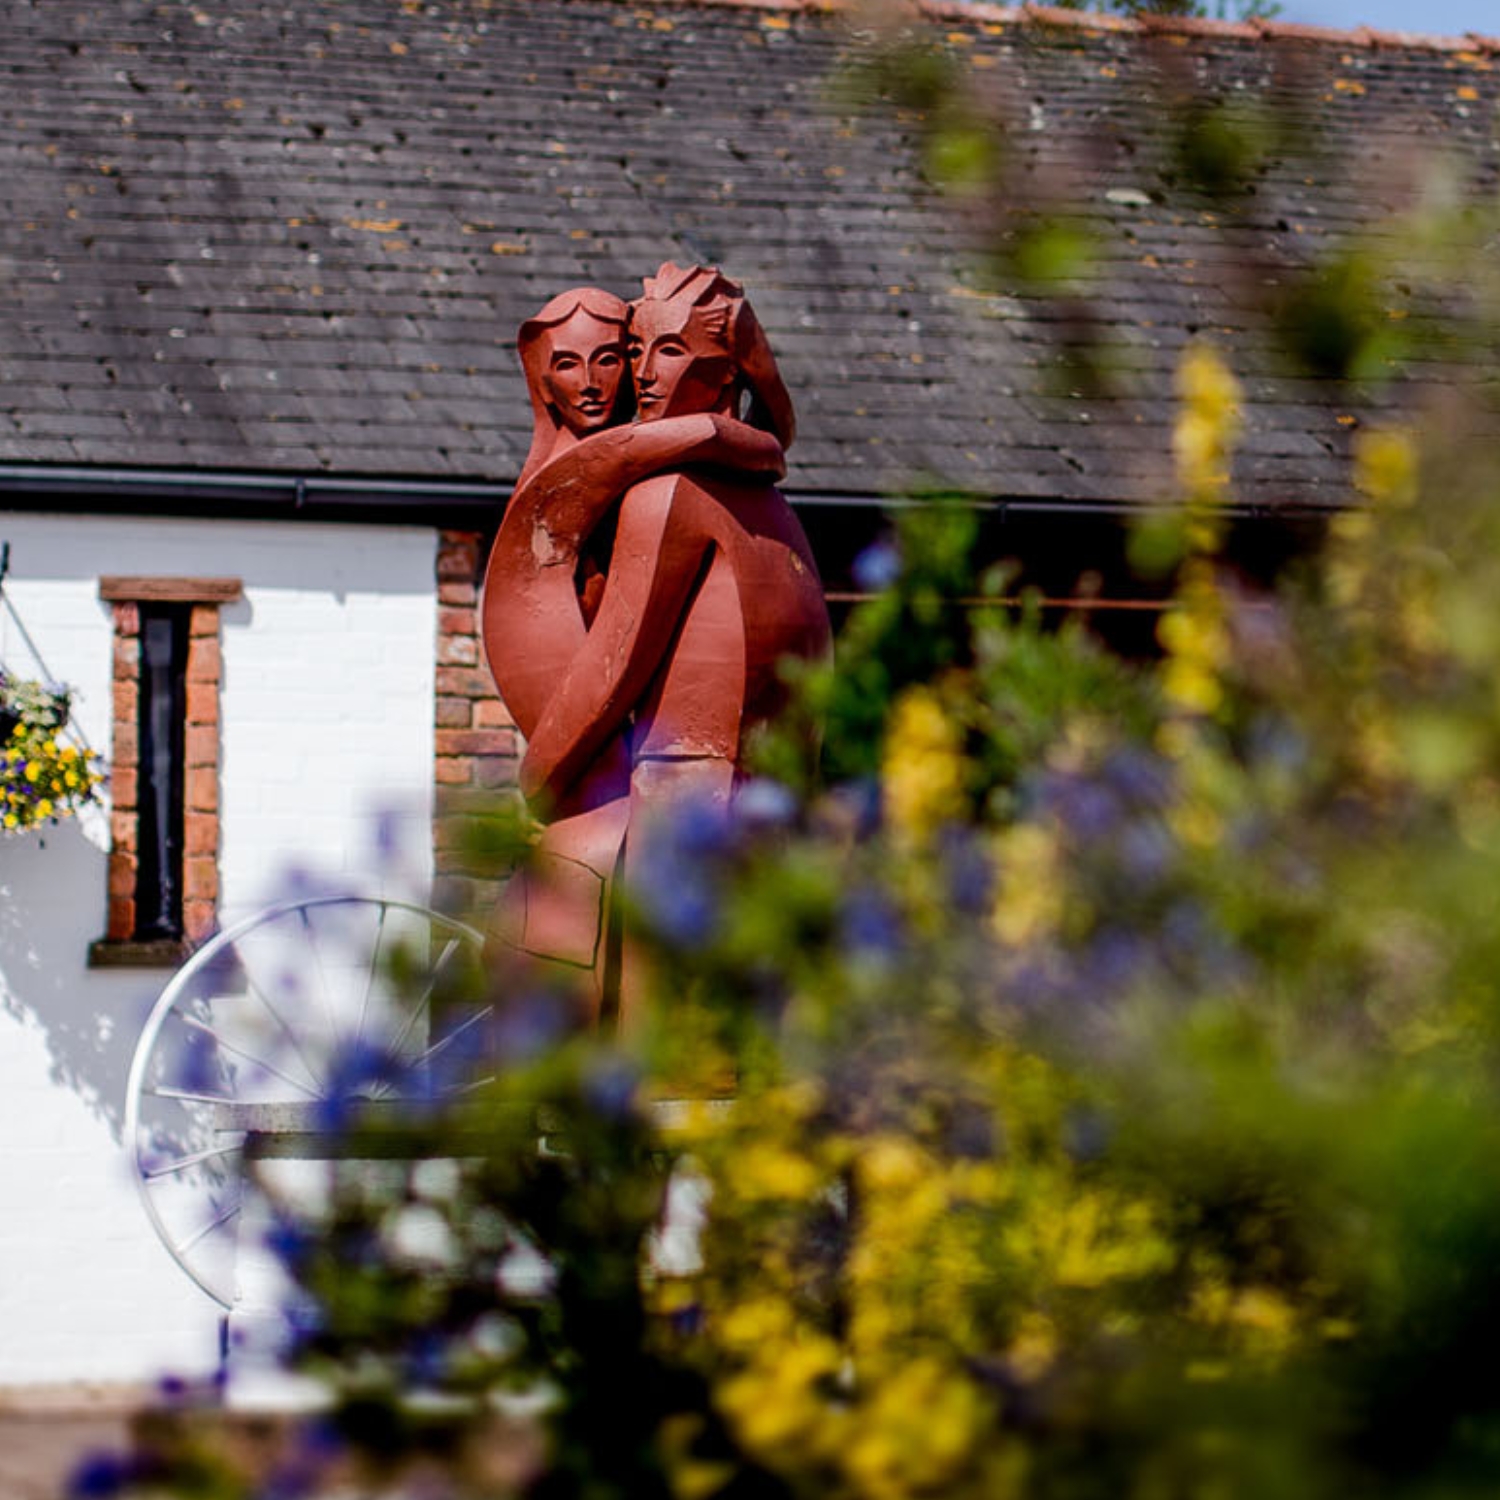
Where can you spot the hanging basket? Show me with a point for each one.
(42, 778)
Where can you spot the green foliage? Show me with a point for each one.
(1100, 1101)
(1336, 323)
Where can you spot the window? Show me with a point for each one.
(164, 768)
(161, 735)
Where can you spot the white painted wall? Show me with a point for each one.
(327, 711)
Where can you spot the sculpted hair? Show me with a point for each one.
(718, 306)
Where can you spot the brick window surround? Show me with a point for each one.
(203, 598)
(475, 740)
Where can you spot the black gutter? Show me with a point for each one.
(460, 504)
(311, 497)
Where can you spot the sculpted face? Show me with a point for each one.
(585, 362)
(680, 368)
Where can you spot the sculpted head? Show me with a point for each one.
(573, 353)
(695, 345)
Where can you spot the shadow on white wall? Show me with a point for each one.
(50, 898)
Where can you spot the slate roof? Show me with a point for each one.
(291, 236)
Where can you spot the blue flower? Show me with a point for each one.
(877, 567)
(764, 803)
(426, 1362)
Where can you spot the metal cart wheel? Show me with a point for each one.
(291, 1015)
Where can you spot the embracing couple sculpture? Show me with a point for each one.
(646, 579)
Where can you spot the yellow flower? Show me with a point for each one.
(923, 768)
(765, 1170)
(1385, 467)
(1206, 431)
(1030, 898)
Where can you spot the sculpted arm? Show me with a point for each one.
(570, 493)
(531, 622)
(655, 566)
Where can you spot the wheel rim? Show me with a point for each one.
(301, 1007)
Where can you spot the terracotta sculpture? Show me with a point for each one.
(645, 581)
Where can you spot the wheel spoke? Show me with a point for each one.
(425, 997)
(223, 1217)
(476, 1083)
(163, 1091)
(452, 1036)
(192, 1160)
(364, 1004)
(249, 1057)
(317, 958)
(286, 1030)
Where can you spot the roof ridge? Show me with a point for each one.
(1030, 12)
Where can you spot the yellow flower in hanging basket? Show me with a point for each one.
(41, 779)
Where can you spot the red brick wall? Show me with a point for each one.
(124, 772)
(475, 740)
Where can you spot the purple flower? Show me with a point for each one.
(676, 884)
(1086, 807)
(101, 1475)
(697, 827)
(1114, 961)
(1145, 849)
(290, 1242)
(1086, 1134)
(295, 1481)
(609, 1085)
(971, 875)
(686, 1320)
(870, 925)
(682, 908)
(358, 1072)
(526, 1027)
(1140, 777)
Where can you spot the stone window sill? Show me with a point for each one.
(117, 953)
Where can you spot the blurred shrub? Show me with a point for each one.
(1090, 1092)
(1087, 1088)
